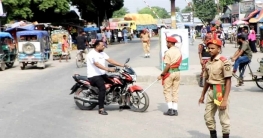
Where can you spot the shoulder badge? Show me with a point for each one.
(223, 59)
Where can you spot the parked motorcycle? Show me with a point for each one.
(119, 89)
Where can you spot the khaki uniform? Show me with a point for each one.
(215, 73)
(145, 43)
(171, 83)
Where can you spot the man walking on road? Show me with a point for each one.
(96, 71)
(218, 80)
(171, 76)
(146, 43)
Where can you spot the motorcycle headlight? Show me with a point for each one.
(134, 77)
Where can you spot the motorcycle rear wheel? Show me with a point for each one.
(136, 101)
(83, 105)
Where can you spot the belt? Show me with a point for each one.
(173, 70)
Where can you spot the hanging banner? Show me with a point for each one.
(181, 35)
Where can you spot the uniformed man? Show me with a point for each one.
(218, 74)
(145, 38)
(204, 55)
(171, 76)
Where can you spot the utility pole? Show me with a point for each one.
(173, 14)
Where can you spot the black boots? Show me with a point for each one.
(171, 112)
(213, 134)
(201, 82)
(225, 135)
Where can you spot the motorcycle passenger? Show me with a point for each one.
(96, 71)
(242, 55)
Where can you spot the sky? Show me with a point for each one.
(134, 5)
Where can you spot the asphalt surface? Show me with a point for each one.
(35, 103)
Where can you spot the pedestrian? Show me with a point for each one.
(203, 33)
(65, 46)
(218, 75)
(119, 36)
(204, 55)
(171, 76)
(108, 37)
(252, 40)
(214, 34)
(125, 35)
(145, 38)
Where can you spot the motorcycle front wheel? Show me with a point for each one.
(139, 101)
(81, 104)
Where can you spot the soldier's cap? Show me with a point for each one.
(171, 39)
(215, 42)
(213, 29)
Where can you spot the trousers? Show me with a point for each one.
(146, 47)
(171, 87)
(99, 82)
(210, 111)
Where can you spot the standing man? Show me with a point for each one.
(109, 37)
(204, 55)
(145, 38)
(96, 71)
(218, 80)
(171, 76)
(192, 35)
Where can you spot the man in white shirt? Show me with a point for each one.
(96, 71)
(108, 34)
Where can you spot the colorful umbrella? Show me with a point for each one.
(239, 22)
(216, 22)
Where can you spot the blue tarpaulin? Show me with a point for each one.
(87, 29)
(5, 34)
(142, 27)
(29, 27)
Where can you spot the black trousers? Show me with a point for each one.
(252, 45)
(99, 82)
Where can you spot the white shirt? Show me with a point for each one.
(92, 57)
(108, 34)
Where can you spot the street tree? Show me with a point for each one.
(205, 10)
(161, 12)
(97, 10)
(26, 9)
(120, 13)
(177, 9)
(187, 9)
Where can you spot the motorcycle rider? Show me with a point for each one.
(96, 71)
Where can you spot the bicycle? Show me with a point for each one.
(256, 76)
(80, 60)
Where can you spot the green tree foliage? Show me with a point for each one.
(177, 9)
(92, 10)
(205, 9)
(161, 12)
(187, 9)
(26, 9)
(120, 13)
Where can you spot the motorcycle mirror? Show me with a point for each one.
(110, 65)
(127, 60)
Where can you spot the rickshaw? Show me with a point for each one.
(33, 48)
(56, 43)
(7, 51)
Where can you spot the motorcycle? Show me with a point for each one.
(119, 89)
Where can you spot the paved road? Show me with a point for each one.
(35, 103)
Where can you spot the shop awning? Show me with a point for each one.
(112, 26)
(251, 15)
